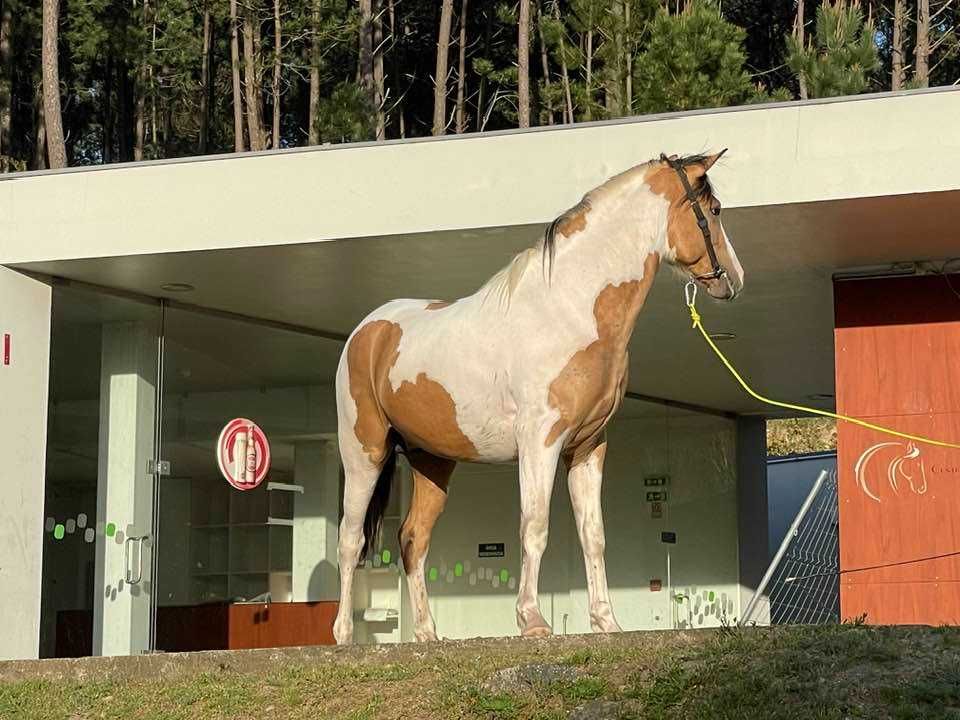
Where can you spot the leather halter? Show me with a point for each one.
(717, 270)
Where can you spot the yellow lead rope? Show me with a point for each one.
(698, 324)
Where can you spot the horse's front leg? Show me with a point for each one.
(538, 467)
(584, 479)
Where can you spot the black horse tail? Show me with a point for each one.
(373, 520)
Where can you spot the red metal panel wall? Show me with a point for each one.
(898, 365)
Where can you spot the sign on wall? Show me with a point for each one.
(486, 550)
(243, 454)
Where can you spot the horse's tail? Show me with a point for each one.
(381, 494)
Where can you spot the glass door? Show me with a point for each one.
(99, 489)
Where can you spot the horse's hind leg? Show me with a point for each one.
(360, 479)
(431, 476)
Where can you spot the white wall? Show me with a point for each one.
(25, 316)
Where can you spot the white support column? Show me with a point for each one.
(317, 469)
(24, 379)
(125, 489)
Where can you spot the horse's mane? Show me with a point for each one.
(505, 281)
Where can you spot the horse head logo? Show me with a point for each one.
(906, 465)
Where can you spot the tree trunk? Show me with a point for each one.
(123, 113)
(897, 74)
(921, 72)
(277, 49)
(799, 30)
(313, 132)
(40, 131)
(628, 59)
(254, 126)
(379, 79)
(563, 68)
(398, 65)
(6, 81)
(107, 110)
(56, 149)
(523, 65)
(365, 66)
(462, 72)
(205, 83)
(143, 82)
(588, 90)
(238, 144)
(153, 94)
(440, 76)
(544, 60)
(482, 85)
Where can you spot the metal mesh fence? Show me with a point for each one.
(805, 587)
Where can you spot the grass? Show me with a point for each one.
(825, 673)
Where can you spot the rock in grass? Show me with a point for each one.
(598, 710)
(524, 677)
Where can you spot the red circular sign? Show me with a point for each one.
(243, 454)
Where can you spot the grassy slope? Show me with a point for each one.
(827, 673)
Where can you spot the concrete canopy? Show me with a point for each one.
(319, 237)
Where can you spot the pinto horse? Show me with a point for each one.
(530, 368)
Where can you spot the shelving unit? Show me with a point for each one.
(241, 543)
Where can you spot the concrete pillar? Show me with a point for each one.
(125, 489)
(24, 379)
(752, 515)
(315, 521)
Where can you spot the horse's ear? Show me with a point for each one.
(711, 159)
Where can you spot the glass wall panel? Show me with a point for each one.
(228, 559)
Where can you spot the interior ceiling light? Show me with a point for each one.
(720, 336)
(176, 287)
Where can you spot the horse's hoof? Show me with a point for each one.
(605, 627)
(343, 634)
(537, 631)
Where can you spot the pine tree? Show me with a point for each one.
(692, 60)
(840, 56)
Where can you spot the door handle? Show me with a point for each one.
(127, 573)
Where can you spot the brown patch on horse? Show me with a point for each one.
(370, 355)
(431, 477)
(591, 385)
(422, 411)
(574, 220)
(683, 234)
(425, 414)
(438, 305)
(594, 446)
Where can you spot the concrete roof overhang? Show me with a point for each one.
(318, 237)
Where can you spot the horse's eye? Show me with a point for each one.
(716, 210)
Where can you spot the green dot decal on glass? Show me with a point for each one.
(458, 569)
(433, 574)
(386, 557)
(110, 529)
(504, 576)
(711, 596)
(58, 531)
